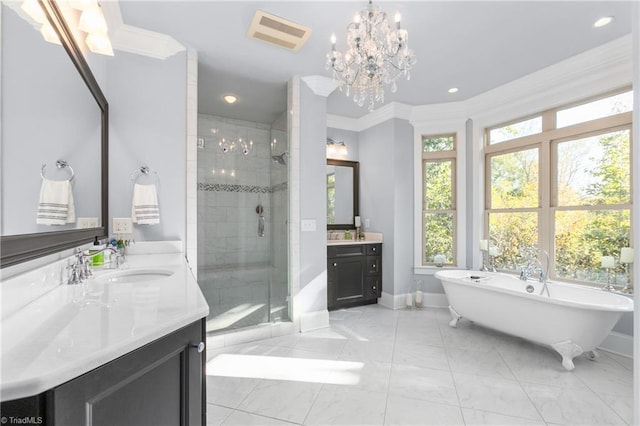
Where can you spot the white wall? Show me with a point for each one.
(311, 299)
(147, 125)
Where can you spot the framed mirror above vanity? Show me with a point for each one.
(343, 180)
(53, 112)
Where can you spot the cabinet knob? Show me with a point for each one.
(199, 346)
(373, 266)
(335, 264)
(373, 248)
(374, 287)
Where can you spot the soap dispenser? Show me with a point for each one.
(97, 259)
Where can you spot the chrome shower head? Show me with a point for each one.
(280, 158)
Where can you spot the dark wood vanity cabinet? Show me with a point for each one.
(354, 275)
(161, 383)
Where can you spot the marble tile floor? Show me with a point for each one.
(376, 366)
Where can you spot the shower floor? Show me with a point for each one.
(235, 316)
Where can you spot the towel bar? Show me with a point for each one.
(61, 164)
(143, 170)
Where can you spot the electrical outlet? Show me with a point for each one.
(122, 225)
(308, 225)
(87, 222)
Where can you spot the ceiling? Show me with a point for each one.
(472, 45)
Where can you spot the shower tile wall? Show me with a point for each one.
(235, 265)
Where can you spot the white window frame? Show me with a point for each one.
(547, 142)
(455, 127)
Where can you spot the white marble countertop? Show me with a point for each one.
(72, 329)
(369, 238)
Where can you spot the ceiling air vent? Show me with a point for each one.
(278, 31)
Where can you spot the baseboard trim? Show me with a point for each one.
(392, 301)
(618, 343)
(398, 301)
(314, 320)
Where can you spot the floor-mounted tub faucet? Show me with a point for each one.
(542, 271)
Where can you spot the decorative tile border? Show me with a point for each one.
(253, 189)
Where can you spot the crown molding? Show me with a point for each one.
(449, 114)
(342, 123)
(604, 68)
(127, 38)
(320, 85)
(384, 113)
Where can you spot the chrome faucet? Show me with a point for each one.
(80, 270)
(542, 271)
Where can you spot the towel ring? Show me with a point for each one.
(143, 170)
(60, 164)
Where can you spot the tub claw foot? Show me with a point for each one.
(456, 317)
(568, 350)
(593, 355)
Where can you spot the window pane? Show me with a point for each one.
(514, 179)
(438, 143)
(594, 170)
(331, 198)
(438, 185)
(511, 232)
(515, 130)
(606, 107)
(583, 237)
(438, 236)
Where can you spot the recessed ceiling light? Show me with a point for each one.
(453, 90)
(229, 99)
(602, 21)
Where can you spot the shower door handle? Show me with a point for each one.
(260, 211)
(260, 226)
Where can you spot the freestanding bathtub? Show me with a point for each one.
(572, 319)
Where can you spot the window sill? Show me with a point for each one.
(430, 270)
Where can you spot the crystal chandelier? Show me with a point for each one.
(377, 55)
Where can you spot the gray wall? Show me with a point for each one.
(313, 203)
(386, 197)
(147, 99)
(625, 325)
(48, 114)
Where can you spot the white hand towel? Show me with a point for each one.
(56, 206)
(144, 208)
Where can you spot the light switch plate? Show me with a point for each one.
(308, 225)
(87, 222)
(122, 225)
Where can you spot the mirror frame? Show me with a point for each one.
(356, 190)
(16, 249)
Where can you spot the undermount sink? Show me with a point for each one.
(135, 276)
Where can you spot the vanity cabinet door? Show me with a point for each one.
(374, 287)
(158, 384)
(347, 280)
(373, 265)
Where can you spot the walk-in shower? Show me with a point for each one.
(243, 206)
